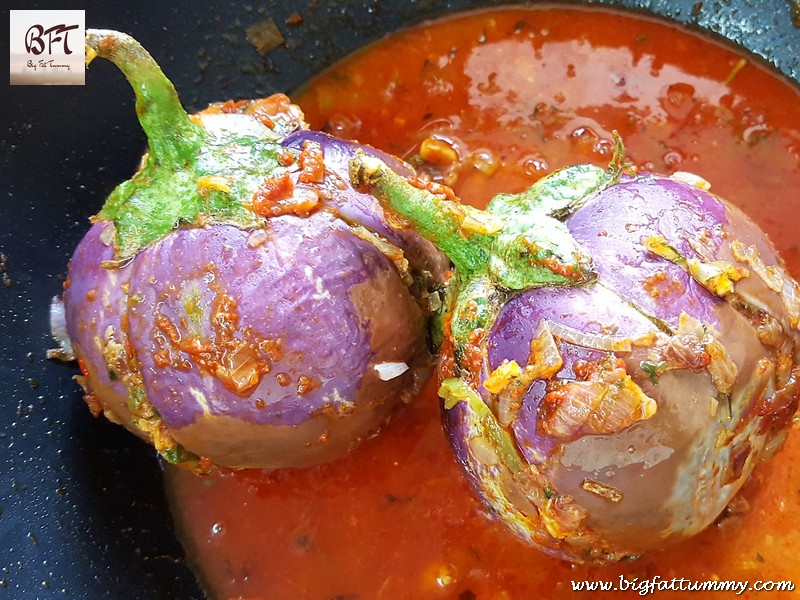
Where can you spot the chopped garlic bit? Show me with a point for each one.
(716, 276)
(602, 490)
(499, 379)
(213, 183)
(389, 370)
(691, 179)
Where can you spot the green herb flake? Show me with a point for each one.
(653, 370)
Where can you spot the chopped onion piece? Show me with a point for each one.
(773, 277)
(605, 403)
(389, 250)
(389, 370)
(544, 360)
(595, 341)
(58, 329)
(722, 369)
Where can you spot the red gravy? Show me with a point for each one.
(517, 93)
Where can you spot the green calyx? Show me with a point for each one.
(519, 242)
(198, 171)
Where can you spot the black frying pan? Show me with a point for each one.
(82, 512)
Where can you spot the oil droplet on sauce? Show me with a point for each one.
(395, 518)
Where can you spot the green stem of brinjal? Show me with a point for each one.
(520, 242)
(165, 192)
(171, 135)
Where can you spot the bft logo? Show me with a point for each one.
(37, 34)
(47, 47)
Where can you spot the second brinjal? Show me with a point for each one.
(237, 303)
(620, 350)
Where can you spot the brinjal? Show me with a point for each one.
(619, 351)
(236, 302)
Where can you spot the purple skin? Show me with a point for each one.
(363, 209)
(94, 302)
(292, 380)
(677, 470)
(352, 205)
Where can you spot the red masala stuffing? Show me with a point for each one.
(277, 196)
(107, 45)
(274, 108)
(658, 285)
(94, 404)
(556, 266)
(232, 106)
(272, 348)
(286, 158)
(168, 328)
(83, 368)
(306, 385)
(162, 358)
(433, 187)
(472, 362)
(228, 354)
(267, 110)
(447, 361)
(312, 165)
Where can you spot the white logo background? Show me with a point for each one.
(47, 47)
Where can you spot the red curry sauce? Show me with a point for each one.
(493, 101)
